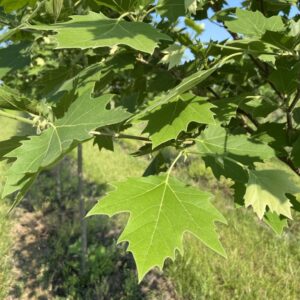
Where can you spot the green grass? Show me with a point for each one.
(106, 166)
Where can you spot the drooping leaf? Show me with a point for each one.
(96, 30)
(42, 151)
(161, 210)
(254, 23)
(277, 223)
(268, 186)
(172, 118)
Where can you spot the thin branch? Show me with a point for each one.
(295, 101)
(120, 136)
(289, 118)
(249, 117)
(17, 118)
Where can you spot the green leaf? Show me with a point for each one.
(42, 151)
(268, 186)
(9, 145)
(254, 23)
(161, 210)
(215, 140)
(296, 153)
(96, 30)
(226, 109)
(277, 223)
(12, 99)
(13, 57)
(11, 5)
(123, 6)
(285, 78)
(187, 84)
(172, 9)
(172, 118)
(104, 142)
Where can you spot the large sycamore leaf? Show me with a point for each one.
(96, 30)
(84, 115)
(268, 186)
(215, 140)
(161, 210)
(254, 23)
(172, 118)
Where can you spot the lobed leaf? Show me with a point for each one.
(161, 210)
(96, 30)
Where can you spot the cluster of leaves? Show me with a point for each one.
(95, 69)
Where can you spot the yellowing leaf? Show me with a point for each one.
(96, 30)
(161, 210)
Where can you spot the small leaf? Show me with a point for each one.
(96, 30)
(277, 223)
(161, 210)
(173, 55)
(171, 119)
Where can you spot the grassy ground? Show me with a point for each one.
(260, 265)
